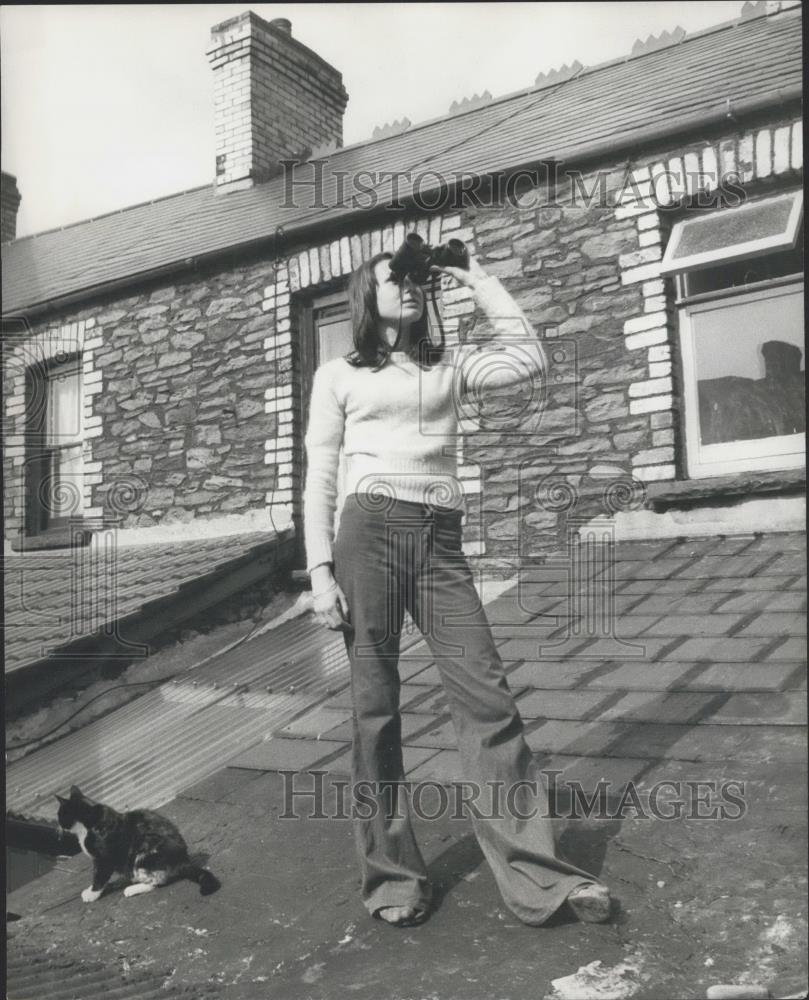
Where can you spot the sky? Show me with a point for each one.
(105, 106)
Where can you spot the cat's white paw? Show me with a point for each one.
(90, 895)
(137, 888)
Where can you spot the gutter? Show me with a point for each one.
(727, 111)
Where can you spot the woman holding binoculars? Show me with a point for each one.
(391, 406)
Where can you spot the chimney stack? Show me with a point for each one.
(274, 98)
(9, 203)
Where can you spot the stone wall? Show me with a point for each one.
(561, 264)
(174, 416)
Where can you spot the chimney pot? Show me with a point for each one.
(9, 205)
(282, 24)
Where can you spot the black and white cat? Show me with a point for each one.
(141, 845)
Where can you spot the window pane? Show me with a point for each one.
(334, 337)
(62, 493)
(703, 240)
(64, 405)
(749, 359)
(735, 225)
(741, 273)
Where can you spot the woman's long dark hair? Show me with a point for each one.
(370, 349)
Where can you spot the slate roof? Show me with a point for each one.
(716, 632)
(709, 640)
(55, 598)
(602, 108)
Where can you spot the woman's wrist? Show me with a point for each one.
(321, 575)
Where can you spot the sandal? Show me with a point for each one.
(590, 902)
(418, 915)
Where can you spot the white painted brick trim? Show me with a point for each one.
(646, 339)
(650, 404)
(651, 387)
(653, 473)
(646, 322)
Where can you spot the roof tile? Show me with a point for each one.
(43, 616)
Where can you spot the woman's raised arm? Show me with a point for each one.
(516, 351)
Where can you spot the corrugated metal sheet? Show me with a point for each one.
(143, 754)
(619, 101)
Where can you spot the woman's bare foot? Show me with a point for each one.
(401, 916)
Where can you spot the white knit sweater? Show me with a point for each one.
(398, 426)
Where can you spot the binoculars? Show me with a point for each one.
(414, 258)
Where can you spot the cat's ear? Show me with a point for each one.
(75, 792)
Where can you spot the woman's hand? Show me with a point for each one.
(469, 278)
(329, 601)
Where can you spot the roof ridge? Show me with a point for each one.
(106, 215)
(546, 84)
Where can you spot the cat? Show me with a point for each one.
(141, 845)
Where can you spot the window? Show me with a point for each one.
(333, 328)
(739, 274)
(54, 467)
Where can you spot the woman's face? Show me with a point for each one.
(397, 303)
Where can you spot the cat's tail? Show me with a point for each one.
(204, 877)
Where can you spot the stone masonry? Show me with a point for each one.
(173, 405)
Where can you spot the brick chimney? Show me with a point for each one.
(9, 203)
(274, 98)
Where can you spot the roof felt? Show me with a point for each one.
(45, 612)
(606, 107)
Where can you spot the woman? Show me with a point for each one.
(391, 405)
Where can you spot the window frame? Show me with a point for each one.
(41, 455)
(723, 458)
(309, 344)
(759, 247)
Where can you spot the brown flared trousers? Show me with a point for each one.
(393, 554)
